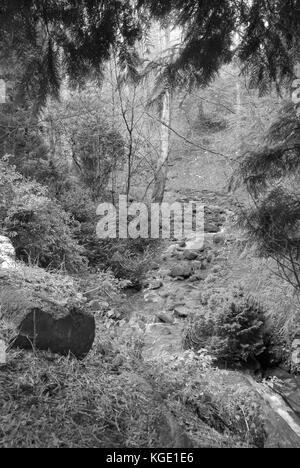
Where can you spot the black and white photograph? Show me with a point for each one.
(150, 227)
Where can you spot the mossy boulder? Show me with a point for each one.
(45, 312)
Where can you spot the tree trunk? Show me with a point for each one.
(162, 164)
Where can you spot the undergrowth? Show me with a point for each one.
(114, 399)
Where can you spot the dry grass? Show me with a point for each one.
(56, 402)
(56, 285)
(112, 399)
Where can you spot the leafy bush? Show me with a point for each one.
(233, 331)
(89, 138)
(8, 178)
(96, 150)
(41, 231)
(77, 201)
(132, 261)
(21, 136)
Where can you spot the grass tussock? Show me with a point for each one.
(114, 399)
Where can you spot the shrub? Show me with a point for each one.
(96, 151)
(129, 259)
(77, 201)
(41, 231)
(22, 137)
(95, 146)
(132, 261)
(233, 331)
(8, 178)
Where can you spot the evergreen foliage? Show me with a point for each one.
(233, 332)
(271, 175)
(53, 38)
(263, 35)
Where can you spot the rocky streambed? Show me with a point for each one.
(171, 296)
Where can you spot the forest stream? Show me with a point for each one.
(170, 297)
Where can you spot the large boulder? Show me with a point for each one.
(44, 310)
(45, 324)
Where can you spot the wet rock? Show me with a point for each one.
(154, 285)
(212, 228)
(190, 255)
(181, 271)
(196, 244)
(165, 318)
(181, 312)
(219, 239)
